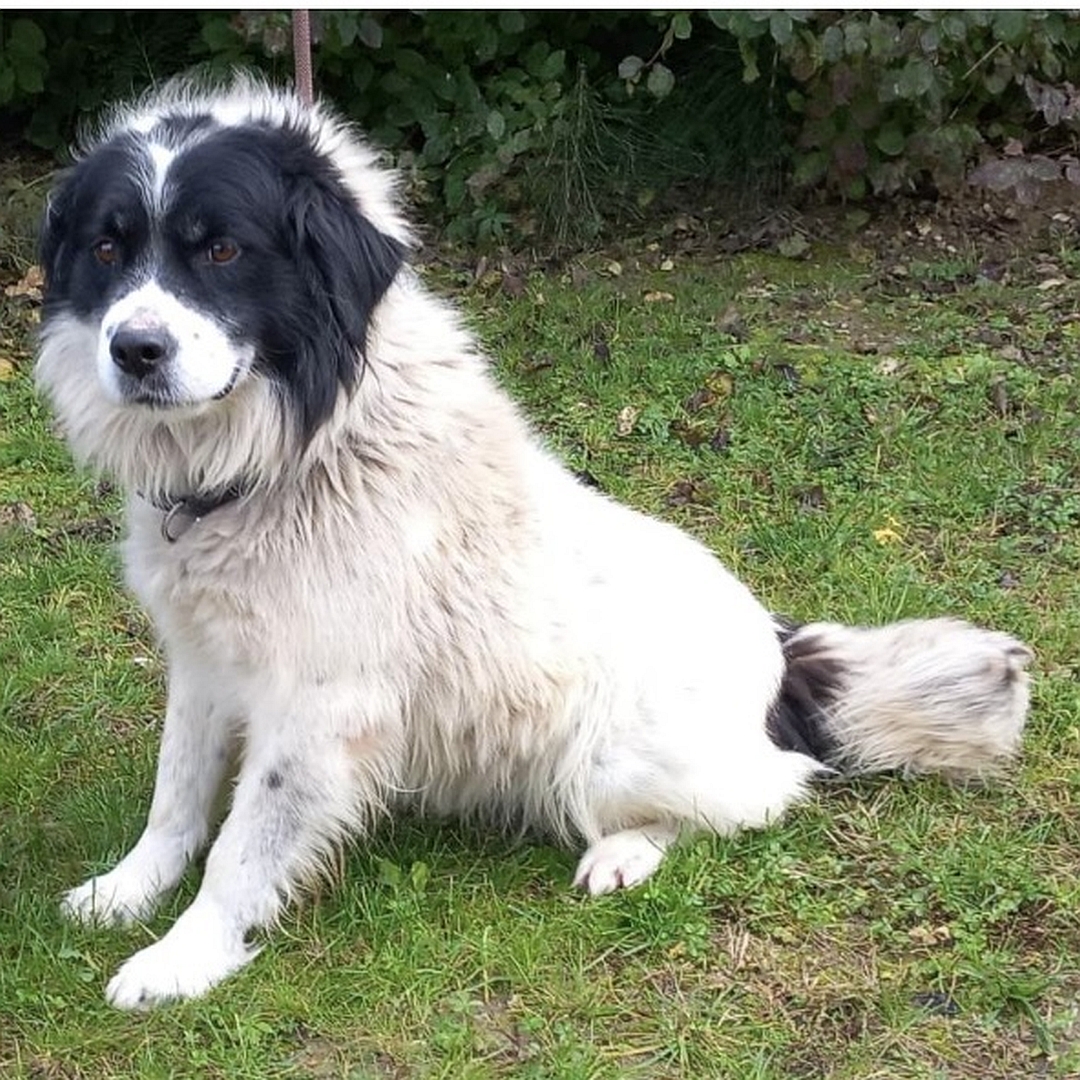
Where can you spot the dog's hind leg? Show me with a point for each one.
(194, 756)
(674, 796)
(643, 797)
(299, 791)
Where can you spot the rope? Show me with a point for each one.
(301, 36)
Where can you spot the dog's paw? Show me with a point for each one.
(119, 897)
(621, 860)
(193, 957)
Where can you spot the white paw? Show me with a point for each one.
(622, 860)
(193, 957)
(118, 897)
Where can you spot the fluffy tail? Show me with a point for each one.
(928, 695)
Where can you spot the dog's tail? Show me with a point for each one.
(928, 695)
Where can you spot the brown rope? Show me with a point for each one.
(301, 36)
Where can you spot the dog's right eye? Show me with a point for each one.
(106, 251)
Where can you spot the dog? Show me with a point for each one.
(373, 585)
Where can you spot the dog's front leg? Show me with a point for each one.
(299, 791)
(194, 754)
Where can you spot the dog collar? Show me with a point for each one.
(181, 512)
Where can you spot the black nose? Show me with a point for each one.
(139, 351)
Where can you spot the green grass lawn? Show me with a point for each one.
(861, 444)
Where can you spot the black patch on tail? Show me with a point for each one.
(813, 681)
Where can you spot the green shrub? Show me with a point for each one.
(554, 122)
(885, 101)
(59, 68)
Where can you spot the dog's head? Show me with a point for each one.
(206, 241)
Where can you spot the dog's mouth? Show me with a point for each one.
(230, 386)
(163, 391)
(159, 393)
(151, 391)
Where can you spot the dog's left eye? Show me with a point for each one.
(222, 251)
(106, 251)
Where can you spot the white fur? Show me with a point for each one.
(161, 157)
(925, 695)
(203, 947)
(206, 362)
(422, 605)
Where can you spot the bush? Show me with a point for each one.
(888, 101)
(503, 121)
(554, 122)
(58, 68)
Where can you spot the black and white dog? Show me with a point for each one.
(370, 581)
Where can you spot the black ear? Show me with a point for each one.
(52, 249)
(347, 265)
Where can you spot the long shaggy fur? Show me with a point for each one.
(404, 597)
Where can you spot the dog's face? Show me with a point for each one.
(201, 255)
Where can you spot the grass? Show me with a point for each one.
(859, 445)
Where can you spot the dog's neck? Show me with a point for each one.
(181, 512)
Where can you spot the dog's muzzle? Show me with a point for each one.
(139, 348)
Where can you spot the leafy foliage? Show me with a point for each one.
(59, 68)
(886, 100)
(523, 121)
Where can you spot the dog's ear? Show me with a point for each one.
(52, 249)
(347, 265)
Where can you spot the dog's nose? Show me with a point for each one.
(139, 350)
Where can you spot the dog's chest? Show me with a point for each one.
(202, 594)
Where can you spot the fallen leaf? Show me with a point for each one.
(667, 264)
(538, 362)
(628, 415)
(889, 533)
(930, 935)
(721, 440)
(795, 246)
(682, 493)
(691, 432)
(700, 399)
(658, 298)
(17, 513)
(857, 219)
(7, 369)
(613, 268)
(29, 285)
(513, 285)
(720, 383)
